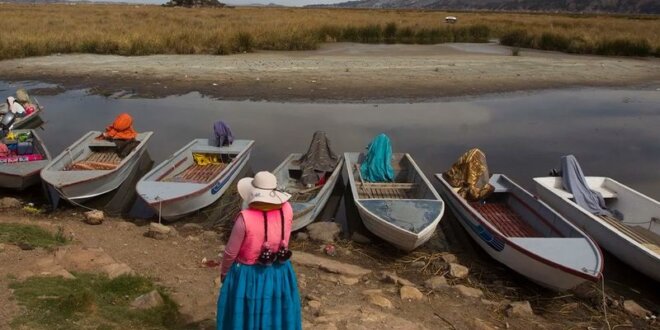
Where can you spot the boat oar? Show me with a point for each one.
(357, 168)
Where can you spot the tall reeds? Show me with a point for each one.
(35, 30)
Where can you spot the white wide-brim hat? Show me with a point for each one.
(261, 188)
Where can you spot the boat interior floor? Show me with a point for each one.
(500, 215)
(97, 160)
(640, 234)
(387, 190)
(197, 173)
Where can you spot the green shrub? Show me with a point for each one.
(553, 41)
(389, 33)
(370, 34)
(405, 35)
(517, 38)
(624, 47)
(243, 42)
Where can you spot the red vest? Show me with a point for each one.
(254, 232)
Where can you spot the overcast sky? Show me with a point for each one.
(247, 2)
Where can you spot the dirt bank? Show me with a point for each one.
(336, 72)
(348, 291)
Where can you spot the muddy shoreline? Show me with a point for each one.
(335, 73)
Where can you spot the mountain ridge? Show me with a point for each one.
(586, 6)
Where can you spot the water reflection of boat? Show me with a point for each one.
(526, 235)
(307, 203)
(78, 183)
(179, 185)
(405, 212)
(20, 172)
(635, 239)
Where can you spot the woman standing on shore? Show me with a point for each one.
(259, 288)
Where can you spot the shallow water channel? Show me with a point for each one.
(613, 132)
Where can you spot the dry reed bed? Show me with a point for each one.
(34, 30)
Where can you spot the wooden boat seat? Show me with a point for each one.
(97, 160)
(641, 235)
(197, 173)
(387, 190)
(504, 219)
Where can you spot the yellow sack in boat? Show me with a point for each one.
(206, 159)
(470, 174)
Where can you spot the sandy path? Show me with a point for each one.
(337, 72)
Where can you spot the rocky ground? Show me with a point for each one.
(344, 284)
(340, 72)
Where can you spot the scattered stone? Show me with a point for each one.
(328, 265)
(479, 324)
(458, 271)
(410, 293)
(436, 283)
(324, 231)
(359, 238)
(379, 300)
(209, 235)
(192, 239)
(418, 264)
(393, 278)
(314, 304)
(25, 246)
(116, 270)
(9, 203)
(302, 236)
(95, 217)
(489, 302)
(519, 309)
(468, 292)
(148, 300)
(635, 309)
(449, 258)
(57, 270)
(345, 280)
(372, 291)
(80, 259)
(341, 279)
(310, 296)
(192, 227)
(160, 232)
(2, 247)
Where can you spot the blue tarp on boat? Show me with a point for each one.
(377, 163)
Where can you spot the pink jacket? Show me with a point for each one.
(247, 236)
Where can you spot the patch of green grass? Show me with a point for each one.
(91, 301)
(17, 233)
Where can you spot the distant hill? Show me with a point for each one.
(589, 6)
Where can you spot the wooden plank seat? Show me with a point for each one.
(640, 234)
(197, 173)
(505, 220)
(97, 160)
(387, 190)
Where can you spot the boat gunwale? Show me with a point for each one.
(353, 183)
(133, 153)
(600, 221)
(477, 216)
(326, 189)
(202, 187)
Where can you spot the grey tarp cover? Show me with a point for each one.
(574, 182)
(318, 159)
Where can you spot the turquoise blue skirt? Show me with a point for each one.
(260, 297)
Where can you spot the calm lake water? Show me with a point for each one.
(612, 132)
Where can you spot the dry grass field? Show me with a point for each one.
(34, 30)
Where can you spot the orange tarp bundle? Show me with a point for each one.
(121, 128)
(470, 175)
